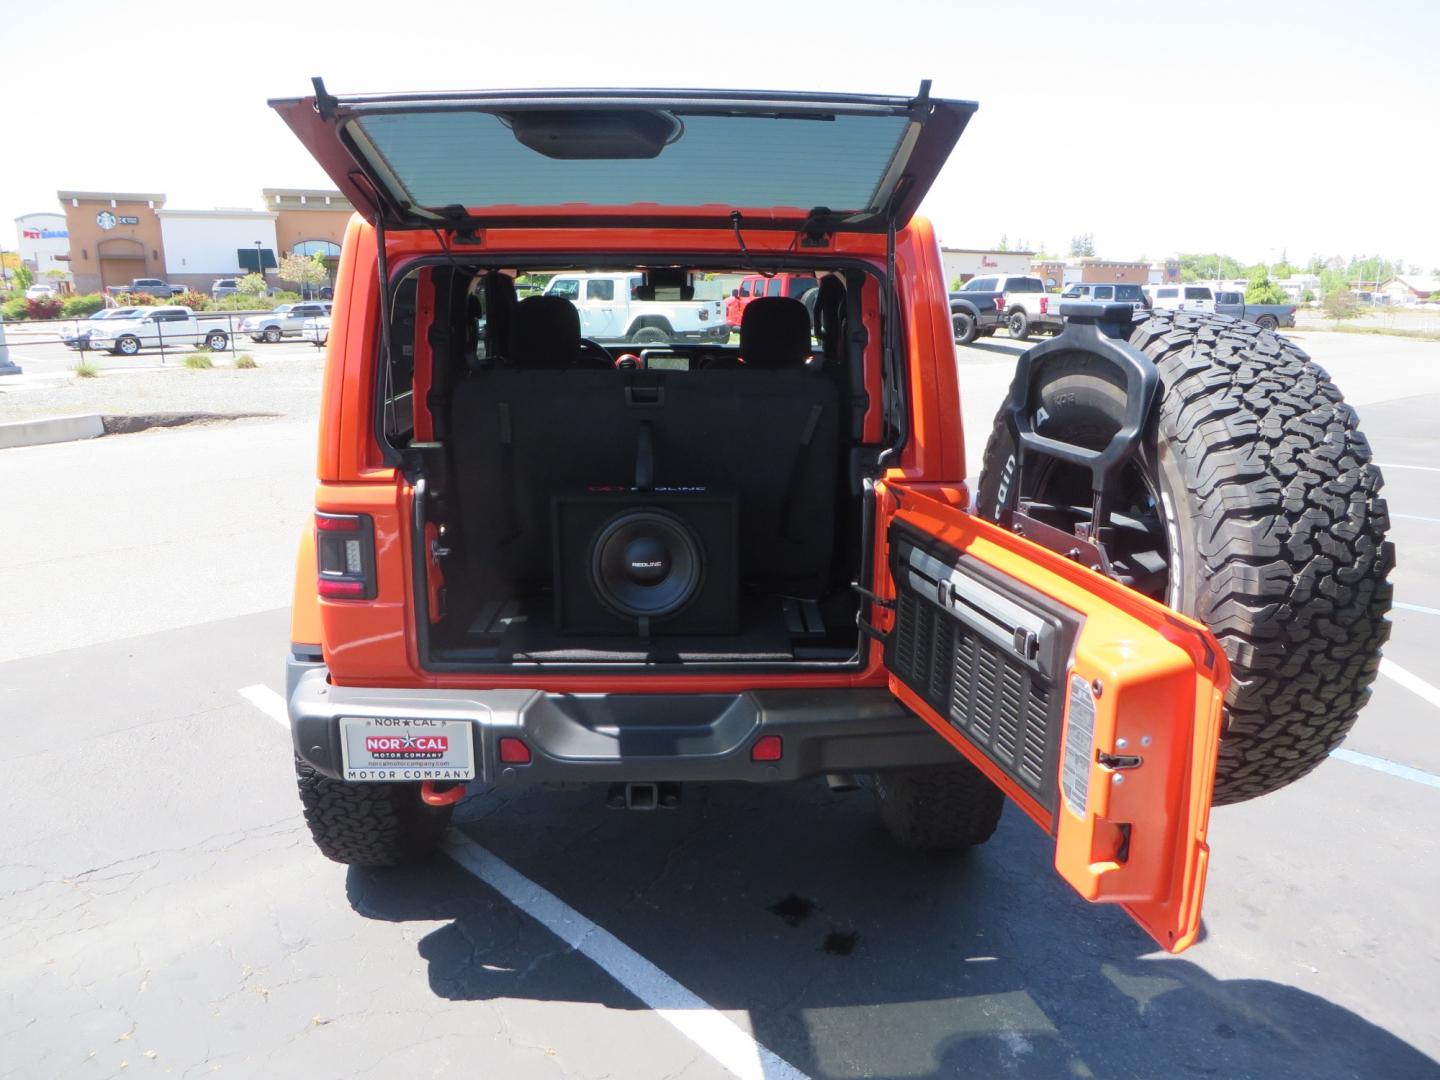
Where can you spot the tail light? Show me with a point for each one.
(345, 556)
(1044, 305)
(1000, 302)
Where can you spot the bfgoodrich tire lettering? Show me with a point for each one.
(1272, 506)
(369, 824)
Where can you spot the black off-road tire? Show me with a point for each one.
(369, 824)
(944, 808)
(1275, 522)
(1018, 323)
(1267, 322)
(963, 327)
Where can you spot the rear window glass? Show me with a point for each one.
(1104, 292)
(1024, 284)
(1197, 294)
(1128, 292)
(798, 287)
(1167, 294)
(473, 159)
(600, 289)
(773, 286)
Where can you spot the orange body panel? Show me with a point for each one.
(1162, 679)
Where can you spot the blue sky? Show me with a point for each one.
(1157, 127)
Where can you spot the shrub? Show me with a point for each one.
(23, 277)
(198, 361)
(284, 297)
(246, 361)
(193, 300)
(1340, 304)
(15, 309)
(85, 370)
(77, 307)
(136, 299)
(45, 307)
(253, 285)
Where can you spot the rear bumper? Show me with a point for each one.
(598, 738)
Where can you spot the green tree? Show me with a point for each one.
(1261, 290)
(303, 270)
(22, 276)
(1082, 245)
(1340, 304)
(253, 285)
(1004, 244)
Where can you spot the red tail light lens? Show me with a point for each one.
(1000, 303)
(345, 556)
(514, 751)
(767, 748)
(1044, 305)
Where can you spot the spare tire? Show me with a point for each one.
(1252, 506)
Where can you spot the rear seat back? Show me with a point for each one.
(523, 436)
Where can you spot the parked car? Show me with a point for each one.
(1028, 307)
(148, 286)
(228, 286)
(795, 286)
(79, 338)
(41, 290)
(1182, 298)
(1265, 316)
(622, 307)
(553, 572)
(316, 330)
(287, 320)
(150, 328)
(1105, 293)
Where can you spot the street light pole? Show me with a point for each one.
(260, 260)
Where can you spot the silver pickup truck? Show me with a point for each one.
(287, 320)
(1265, 316)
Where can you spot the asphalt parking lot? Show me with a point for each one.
(164, 912)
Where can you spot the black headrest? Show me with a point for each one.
(775, 333)
(500, 304)
(830, 316)
(546, 333)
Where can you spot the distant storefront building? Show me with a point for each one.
(308, 221)
(202, 246)
(114, 237)
(966, 263)
(43, 242)
(1101, 270)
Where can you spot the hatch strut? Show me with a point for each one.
(894, 370)
(383, 267)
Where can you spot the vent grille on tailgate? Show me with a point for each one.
(998, 702)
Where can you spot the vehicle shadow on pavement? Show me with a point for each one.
(1006, 347)
(854, 958)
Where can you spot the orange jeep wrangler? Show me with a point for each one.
(542, 554)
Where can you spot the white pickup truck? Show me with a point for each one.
(609, 311)
(151, 328)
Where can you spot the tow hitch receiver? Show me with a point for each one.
(643, 795)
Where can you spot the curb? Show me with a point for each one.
(53, 429)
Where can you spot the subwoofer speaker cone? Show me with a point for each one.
(646, 563)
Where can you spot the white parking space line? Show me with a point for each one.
(1422, 609)
(712, 1031)
(1416, 517)
(1385, 765)
(1413, 683)
(268, 702)
(1393, 465)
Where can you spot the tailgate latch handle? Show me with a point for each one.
(1026, 643)
(1117, 761)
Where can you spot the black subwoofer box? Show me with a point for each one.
(646, 563)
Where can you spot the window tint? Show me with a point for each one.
(745, 287)
(600, 289)
(1076, 290)
(773, 286)
(980, 284)
(569, 288)
(1024, 284)
(1128, 292)
(1104, 292)
(1167, 294)
(1197, 294)
(799, 286)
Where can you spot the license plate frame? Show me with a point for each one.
(406, 749)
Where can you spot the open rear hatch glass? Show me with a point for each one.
(473, 160)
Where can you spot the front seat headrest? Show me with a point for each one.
(830, 316)
(775, 333)
(545, 333)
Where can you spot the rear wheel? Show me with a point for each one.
(1253, 507)
(649, 335)
(216, 341)
(1019, 325)
(1267, 322)
(944, 808)
(963, 324)
(369, 824)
